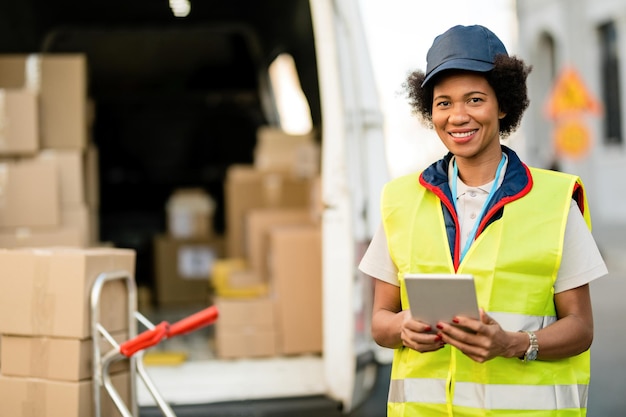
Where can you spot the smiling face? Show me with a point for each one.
(466, 116)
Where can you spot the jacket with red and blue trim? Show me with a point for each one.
(517, 182)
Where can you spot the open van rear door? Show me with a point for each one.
(353, 172)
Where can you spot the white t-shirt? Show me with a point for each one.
(581, 262)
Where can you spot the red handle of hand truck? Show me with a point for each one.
(195, 321)
(145, 339)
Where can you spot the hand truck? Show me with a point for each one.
(134, 347)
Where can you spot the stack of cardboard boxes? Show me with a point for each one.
(45, 329)
(185, 254)
(273, 228)
(48, 167)
(48, 236)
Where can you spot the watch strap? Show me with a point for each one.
(533, 348)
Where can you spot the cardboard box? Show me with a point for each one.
(71, 172)
(183, 268)
(247, 188)
(60, 80)
(12, 71)
(30, 397)
(296, 276)
(19, 122)
(60, 359)
(79, 218)
(29, 193)
(259, 222)
(25, 237)
(47, 292)
(278, 150)
(246, 328)
(190, 213)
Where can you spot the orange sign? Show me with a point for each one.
(570, 96)
(572, 139)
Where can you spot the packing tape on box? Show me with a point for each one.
(39, 356)
(33, 72)
(43, 302)
(4, 181)
(34, 404)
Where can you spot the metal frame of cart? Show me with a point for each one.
(133, 349)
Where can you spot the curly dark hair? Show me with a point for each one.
(507, 78)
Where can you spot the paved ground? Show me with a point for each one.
(608, 354)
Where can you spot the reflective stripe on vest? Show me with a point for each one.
(490, 396)
(514, 269)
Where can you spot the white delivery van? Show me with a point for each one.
(177, 93)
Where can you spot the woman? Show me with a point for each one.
(522, 232)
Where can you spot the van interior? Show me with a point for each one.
(176, 100)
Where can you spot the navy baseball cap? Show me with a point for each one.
(471, 48)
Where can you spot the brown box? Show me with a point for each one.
(246, 328)
(61, 83)
(190, 213)
(79, 218)
(12, 70)
(247, 188)
(298, 154)
(296, 276)
(30, 397)
(60, 359)
(183, 269)
(258, 224)
(29, 193)
(25, 237)
(71, 172)
(19, 122)
(46, 292)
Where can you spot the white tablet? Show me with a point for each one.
(440, 297)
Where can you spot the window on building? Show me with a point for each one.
(610, 83)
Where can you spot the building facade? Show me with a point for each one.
(586, 38)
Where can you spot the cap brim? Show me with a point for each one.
(459, 64)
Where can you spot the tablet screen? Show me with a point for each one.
(440, 297)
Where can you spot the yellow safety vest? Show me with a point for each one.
(515, 261)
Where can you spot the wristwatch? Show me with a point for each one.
(533, 349)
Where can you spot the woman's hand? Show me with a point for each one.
(418, 335)
(481, 340)
(570, 335)
(393, 328)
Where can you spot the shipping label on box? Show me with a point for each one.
(183, 268)
(196, 261)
